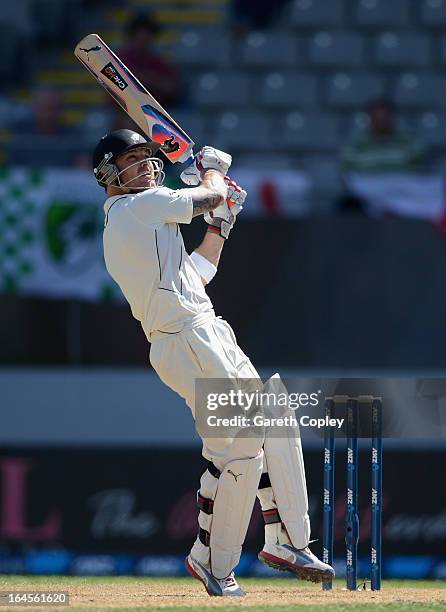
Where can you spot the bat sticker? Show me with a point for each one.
(113, 75)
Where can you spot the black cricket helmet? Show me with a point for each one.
(110, 147)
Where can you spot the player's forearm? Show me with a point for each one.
(209, 194)
(211, 248)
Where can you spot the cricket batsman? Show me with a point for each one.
(165, 287)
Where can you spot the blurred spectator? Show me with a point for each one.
(46, 114)
(154, 71)
(383, 149)
(42, 134)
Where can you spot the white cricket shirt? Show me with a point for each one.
(144, 253)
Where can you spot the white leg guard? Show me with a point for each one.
(205, 502)
(286, 472)
(230, 513)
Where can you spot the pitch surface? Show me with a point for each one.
(284, 594)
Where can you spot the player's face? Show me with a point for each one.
(137, 171)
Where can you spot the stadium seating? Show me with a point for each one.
(275, 48)
(302, 83)
(400, 49)
(382, 13)
(189, 49)
(432, 128)
(221, 90)
(308, 131)
(433, 13)
(287, 89)
(244, 131)
(353, 89)
(420, 89)
(332, 48)
(317, 13)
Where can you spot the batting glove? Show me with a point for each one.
(221, 220)
(207, 158)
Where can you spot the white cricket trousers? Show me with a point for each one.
(205, 349)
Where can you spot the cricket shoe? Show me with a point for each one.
(301, 562)
(227, 587)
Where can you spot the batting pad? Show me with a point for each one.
(286, 469)
(233, 504)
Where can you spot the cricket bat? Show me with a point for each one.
(134, 98)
